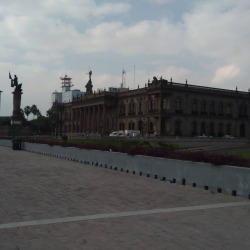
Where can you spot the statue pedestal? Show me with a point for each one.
(16, 118)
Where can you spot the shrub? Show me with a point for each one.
(146, 148)
(64, 138)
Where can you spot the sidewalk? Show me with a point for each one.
(50, 203)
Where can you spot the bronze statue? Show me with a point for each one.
(90, 74)
(14, 83)
(89, 85)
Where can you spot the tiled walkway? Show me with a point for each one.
(50, 203)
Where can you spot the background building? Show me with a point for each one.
(67, 94)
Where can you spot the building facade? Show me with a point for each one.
(162, 107)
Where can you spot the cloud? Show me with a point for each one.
(41, 40)
(218, 28)
(75, 9)
(225, 73)
(158, 1)
(145, 37)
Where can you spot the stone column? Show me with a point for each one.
(16, 118)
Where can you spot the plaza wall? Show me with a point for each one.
(226, 179)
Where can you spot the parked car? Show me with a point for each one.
(205, 136)
(117, 134)
(114, 134)
(202, 136)
(228, 137)
(132, 133)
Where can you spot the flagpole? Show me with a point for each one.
(134, 76)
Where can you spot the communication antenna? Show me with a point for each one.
(123, 78)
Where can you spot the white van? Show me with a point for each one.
(132, 133)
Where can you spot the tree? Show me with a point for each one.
(35, 111)
(27, 111)
(52, 116)
(40, 125)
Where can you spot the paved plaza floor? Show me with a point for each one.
(50, 203)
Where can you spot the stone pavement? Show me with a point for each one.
(50, 203)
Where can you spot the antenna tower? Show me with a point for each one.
(66, 83)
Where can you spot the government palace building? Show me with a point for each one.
(161, 108)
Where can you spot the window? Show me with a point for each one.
(194, 128)
(107, 122)
(133, 108)
(178, 127)
(122, 109)
(211, 129)
(140, 106)
(220, 129)
(178, 104)
(131, 126)
(242, 130)
(221, 108)
(203, 107)
(228, 129)
(151, 127)
(165, 104)
(121, 126)
(151, 105)
(203, 128)
(195, 106)
(129, 107)
(243, 110)
(229, 109)
(211, 108)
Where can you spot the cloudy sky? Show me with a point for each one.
(206, 42)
